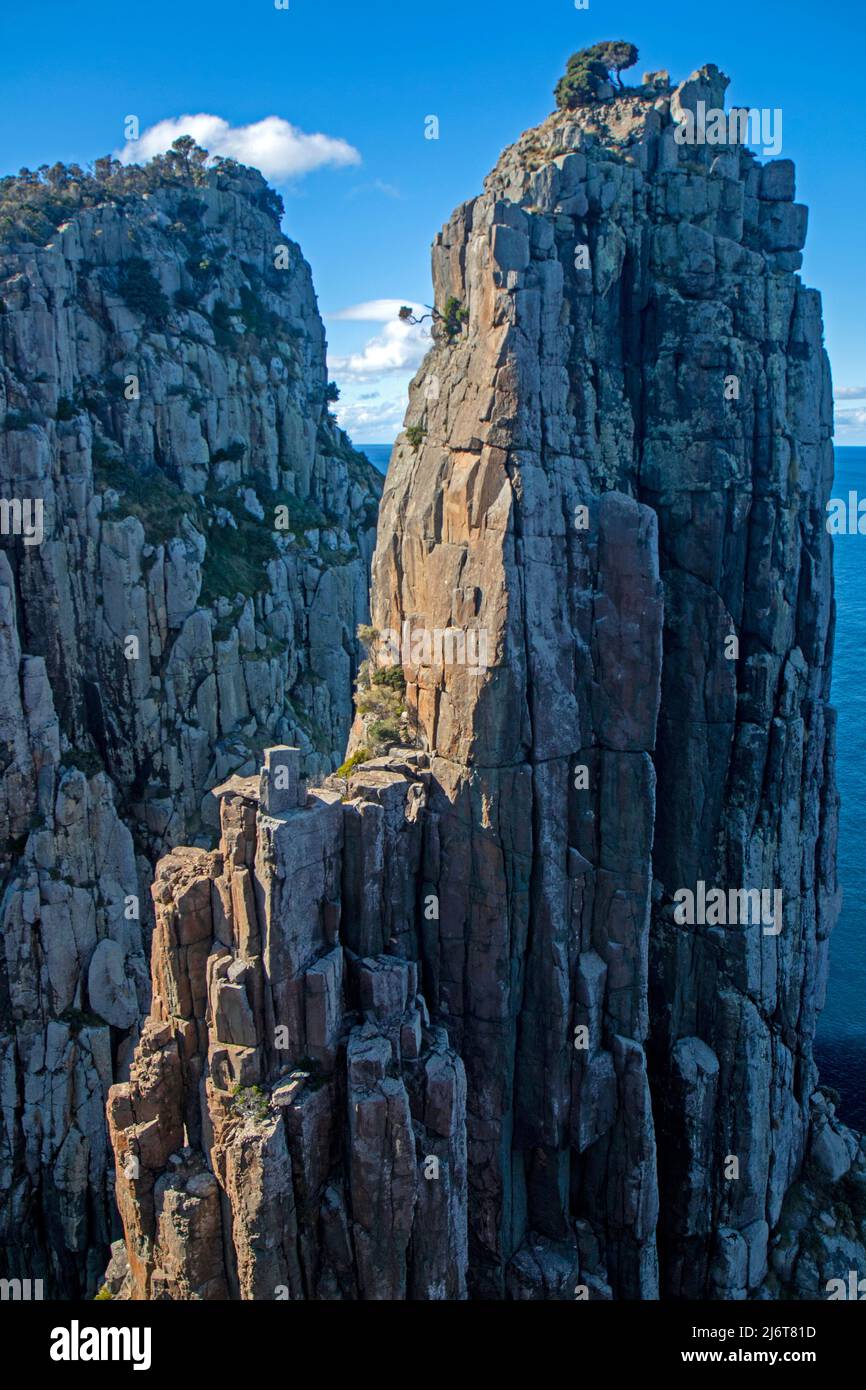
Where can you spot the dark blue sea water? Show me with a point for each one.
(841, 1049)
(841, 1045)
(378, 454)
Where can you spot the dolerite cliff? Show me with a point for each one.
(274, 1141)
(625, 463)
(191, 596)
(441, 1029)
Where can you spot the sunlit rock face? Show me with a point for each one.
(621, 478)
(185, 562)
(294, 1124)
(524, 1009)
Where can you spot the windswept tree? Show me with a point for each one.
(450, 319)
(587, 73)
(616, 55)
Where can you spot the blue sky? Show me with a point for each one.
(366, 74)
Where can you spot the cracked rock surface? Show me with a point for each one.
(438, 1029)
(162, 395)
(625, 459)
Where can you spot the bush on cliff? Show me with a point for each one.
(360, 755)
(587, 73)
(415, 435)
(615, 55)
(380, 697)
(140, 289)
(34, 202)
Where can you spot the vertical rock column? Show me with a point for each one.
(542, 776)
(594, 494)
(291, 1106)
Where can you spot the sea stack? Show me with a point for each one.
(437, 1032)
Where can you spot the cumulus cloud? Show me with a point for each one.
(400, 347)
(276, 147)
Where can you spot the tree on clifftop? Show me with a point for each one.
(616, 55)
(587, 74)
(186, 160)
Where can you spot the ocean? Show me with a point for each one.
(378, 454)
(841, 1041)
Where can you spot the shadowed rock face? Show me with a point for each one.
(162, 389)
(618, 476)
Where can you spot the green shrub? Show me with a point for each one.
(453, 317)
(588, 70)
(235, 558)
(150, 495)
(391, 676)
(415, 435)
(384, 732)
(66, 409)
(256, 318)
(140, 289)
(581, 84)
(250, 1101)
(360, 755)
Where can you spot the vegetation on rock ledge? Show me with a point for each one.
(587, 73)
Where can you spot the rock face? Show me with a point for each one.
(608, 871)
(625, 462)
(191, 594)
(294, 1125)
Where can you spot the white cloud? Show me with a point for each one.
(376, 311)
(276, 147)
(850, 393)
(382, 421)
(850, 420)
(400, 347)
